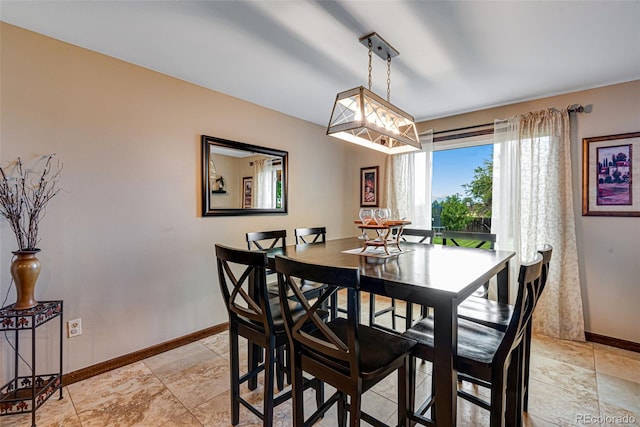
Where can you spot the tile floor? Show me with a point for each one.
(572, 383)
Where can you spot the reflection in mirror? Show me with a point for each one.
(242, 179)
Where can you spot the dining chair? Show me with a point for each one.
(305, 235)
(415, 235)
(485, 356)
(257, 317)
(546, 252)
(345, 354)
(471, 239)
(262, 241)
(267, 240)
(318, 235)
(498, 315)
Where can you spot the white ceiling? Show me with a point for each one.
(294, 56)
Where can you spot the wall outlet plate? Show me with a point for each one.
(74, 328)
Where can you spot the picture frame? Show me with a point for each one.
(369, 186)
(247, 192)
(611, 175)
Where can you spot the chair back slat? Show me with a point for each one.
(423, 235)
(242, 280)
(264, 240)
(305, 235)
(322, 341)
(331, 343)
(546, 252)
(457, 238)
(528, 280)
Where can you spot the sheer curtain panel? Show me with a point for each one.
(264, 184)
(408, 184)
(533, 205)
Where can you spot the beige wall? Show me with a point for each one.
(608, 247)
(125, 246)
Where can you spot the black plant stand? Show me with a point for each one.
(25, 394)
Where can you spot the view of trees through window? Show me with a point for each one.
(462, 188)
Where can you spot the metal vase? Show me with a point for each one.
(25, 270)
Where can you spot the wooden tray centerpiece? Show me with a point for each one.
(388, 233)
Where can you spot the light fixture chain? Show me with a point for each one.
(389, 78)
(370, 68)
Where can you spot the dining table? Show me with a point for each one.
(432, 275)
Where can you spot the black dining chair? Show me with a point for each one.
(498, 315)
(257, 317)
(311, 235)
(485, 356)
(415, 235)
(471, 239)
(264, 241)
(318, 235)
(267, 240)
(345, 354)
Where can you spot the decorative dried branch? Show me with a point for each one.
(24, 194)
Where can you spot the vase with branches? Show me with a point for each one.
(24, 195)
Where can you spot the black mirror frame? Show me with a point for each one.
(207, 209)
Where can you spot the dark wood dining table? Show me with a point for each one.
(433, 275)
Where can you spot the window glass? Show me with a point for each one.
(461, 187)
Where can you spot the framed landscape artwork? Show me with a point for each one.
(247, 191)
(369, 186)
(610, 172)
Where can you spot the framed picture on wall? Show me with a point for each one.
(247, 191)
(610, 175)
(369, 187)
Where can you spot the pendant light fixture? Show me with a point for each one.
(364, 118)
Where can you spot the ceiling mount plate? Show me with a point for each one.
(379, 46)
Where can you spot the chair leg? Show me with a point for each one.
(498, 388)
(342, 410)
(234, 374)
(408, 315)
(319, 394)
(333, 310)
(514, 388)
(372, 309)
(393, 314)
(280, 367)
(411, 386)
(525, 373)
(297, 397)
(269, 373)
(253, 360)
(403, 393)
(354, 410)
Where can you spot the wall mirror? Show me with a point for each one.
(242, 179)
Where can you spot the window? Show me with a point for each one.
(461, 188)
(451, 186)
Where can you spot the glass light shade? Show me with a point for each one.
(362, 117)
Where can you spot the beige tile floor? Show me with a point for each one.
(572, 383)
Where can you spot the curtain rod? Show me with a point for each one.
(575, 108)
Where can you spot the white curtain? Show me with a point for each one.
(264, 186)
(408, 183)
(533, 205)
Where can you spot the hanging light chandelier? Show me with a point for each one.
(364, 118)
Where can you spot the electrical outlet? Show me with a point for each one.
(74, 328)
